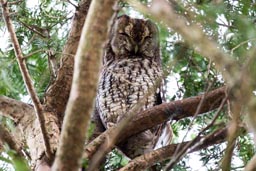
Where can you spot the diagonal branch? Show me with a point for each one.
(83, 92)
(149, 159)
(158, 114)
(183, 151)
(26, 77)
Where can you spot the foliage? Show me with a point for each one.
(41, 28)
(231, 23)
(10, 158)
(115, 160)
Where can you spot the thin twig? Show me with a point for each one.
(32, 53)
(145, 161)
(241, 44)
(185, 149)
(39, 31)
(225, 25)
(76, 6)
(15, 2)
(26, 77)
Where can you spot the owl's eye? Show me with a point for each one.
(148, 37)
(124, 34)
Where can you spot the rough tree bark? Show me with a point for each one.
(56, 98)
(174, 110)
(86, 74)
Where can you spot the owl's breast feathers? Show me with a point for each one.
(122, 85)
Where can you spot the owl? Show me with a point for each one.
(131, 67)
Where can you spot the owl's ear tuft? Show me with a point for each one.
(123, 17)
(152, 27)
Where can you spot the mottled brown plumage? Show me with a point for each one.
(132, 66)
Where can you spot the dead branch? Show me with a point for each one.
(74, 5)
(26, 77)
(158, 114)
(86, 71)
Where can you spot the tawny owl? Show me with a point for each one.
(131, 67)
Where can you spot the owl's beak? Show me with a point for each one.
(136, 48)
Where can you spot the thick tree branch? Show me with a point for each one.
(26, 77)
(57, 94)
(251, 165)
(86, 71)
(7, 137)
(8, 108)
(28, 127)
(168, 111)
(149, 159)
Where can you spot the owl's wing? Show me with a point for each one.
(99, 127)
(163, 132)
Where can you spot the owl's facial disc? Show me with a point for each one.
(134, 37)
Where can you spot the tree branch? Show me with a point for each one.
(57, 94)
(149, 159)
(183, 151)
(83, 92)
(158, 114)
(8, 108)
(7, 137)
(26, 77)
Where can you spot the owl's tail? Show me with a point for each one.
(165, 135)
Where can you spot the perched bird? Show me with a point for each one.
(131, 68)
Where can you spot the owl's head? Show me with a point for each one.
(135, 37)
